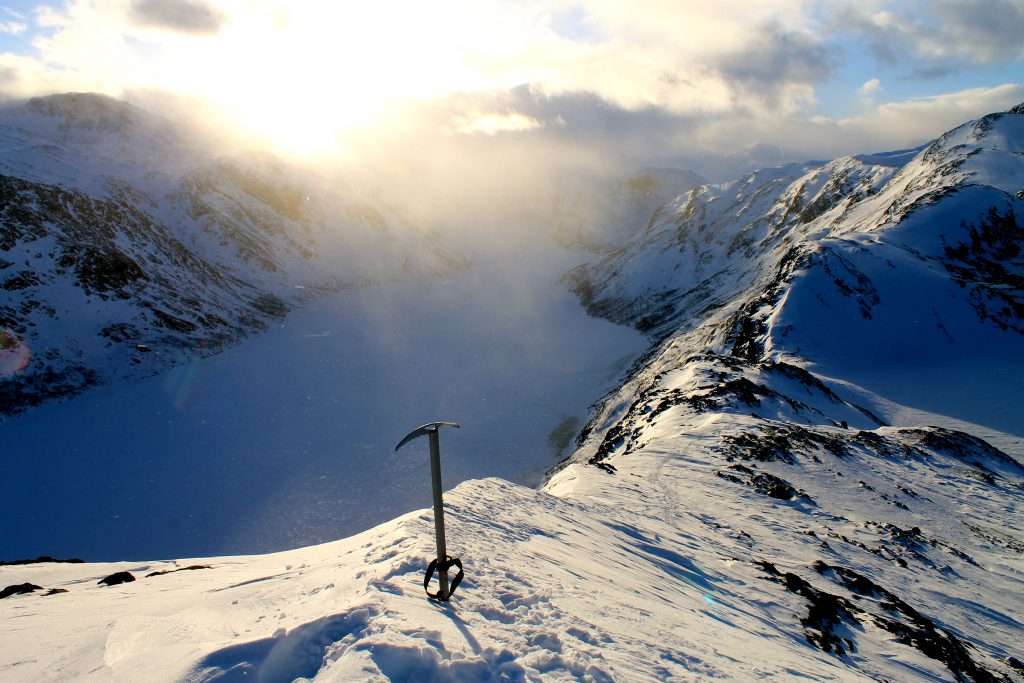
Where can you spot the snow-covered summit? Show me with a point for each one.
(91, 121)
(90, 112)
(87, 141)
(815, 474)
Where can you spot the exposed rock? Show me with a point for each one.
(910, 627)
(824, 614)
(40, 560)
(19, 589)
(765, 484)
(116, 578)
(179, 569)
(881, 608)
(962, 446)
(999, 538)
(771, 443)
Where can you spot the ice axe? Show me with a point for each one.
(442, 563)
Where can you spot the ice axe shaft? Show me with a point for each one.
(435, 481)
(442, 562)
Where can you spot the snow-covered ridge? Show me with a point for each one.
(125, 249)
(720, 244)
(845, 340)
(815, 474)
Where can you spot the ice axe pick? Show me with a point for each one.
(442, 563)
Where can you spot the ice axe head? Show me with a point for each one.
(424, 430)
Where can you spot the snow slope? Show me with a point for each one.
(126, 249)
(846, 340)
(638, 576)
(526, 609)
(759, 500)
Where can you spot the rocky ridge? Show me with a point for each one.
(772, 301)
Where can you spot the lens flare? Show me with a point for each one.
(179, 381)
(14, 354)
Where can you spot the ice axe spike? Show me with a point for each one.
(442, 562)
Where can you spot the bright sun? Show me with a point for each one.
(299, 78)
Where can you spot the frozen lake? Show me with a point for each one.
(288, 439)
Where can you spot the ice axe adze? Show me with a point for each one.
(442, 563)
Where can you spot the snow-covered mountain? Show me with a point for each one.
(126, 248)
(600, 215)
(842, 341)
(814, 474)
(843, 230)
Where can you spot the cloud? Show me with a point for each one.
(777, 65)
(598, 83)
(187, 16)
(921, 119)
(331, 66)
(584, 121)
(870, 88)
(987, 31)
(937, 37)
(883, 127)
(492, 123)
(477, 180)
(23, 77)
(13, 28)
(686, 56)
(717, 145)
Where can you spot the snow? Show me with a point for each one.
(639, 576)
(777, 495)
(288, 439)
(134, 237)
(973, 396)
(525, 608)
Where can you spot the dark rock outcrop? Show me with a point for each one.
(19, 589)
(116, 578)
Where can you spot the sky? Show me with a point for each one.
(645, 81)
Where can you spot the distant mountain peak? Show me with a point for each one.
(88, 111)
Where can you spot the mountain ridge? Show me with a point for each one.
(809, 285)
(753, 502)
(127, 251)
